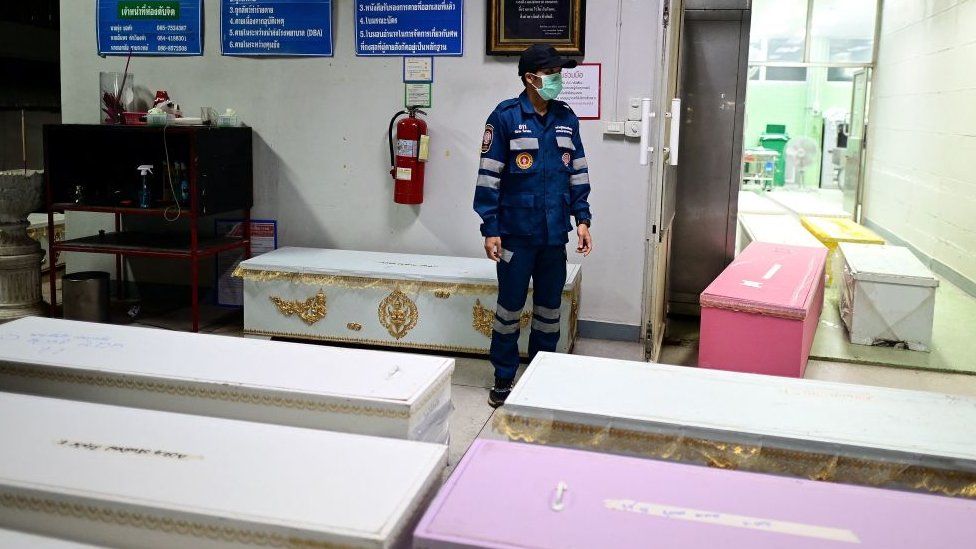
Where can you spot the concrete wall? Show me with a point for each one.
(321, 160)
(920, 181)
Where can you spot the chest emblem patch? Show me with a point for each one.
(523, 160)
(488, 138)
(566, 159)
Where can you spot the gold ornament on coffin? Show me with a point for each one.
(483, 318)
(310, 310)
(398, 314)
(354, 326)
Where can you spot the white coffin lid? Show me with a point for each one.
(429, 268)
(392, 379)
(778, 229)
(13, 539)
(889, 264)
(38, 220)
(808, 203)
(800, 409)
(750, 202)
(340, 486)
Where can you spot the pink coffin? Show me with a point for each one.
(761, 313)
(506, 495)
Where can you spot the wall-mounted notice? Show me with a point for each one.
(409, 27)
(149, 27)
(418, 69)
(581, 90)
(416, 95)
(276, 27)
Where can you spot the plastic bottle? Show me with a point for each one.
(145, 192)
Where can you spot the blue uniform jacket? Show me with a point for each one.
(533, 174)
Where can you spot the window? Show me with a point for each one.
(778, 30)
(842, 31)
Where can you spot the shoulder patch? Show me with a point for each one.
(488, 137)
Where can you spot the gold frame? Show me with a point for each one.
(497, 44)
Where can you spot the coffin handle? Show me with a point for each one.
(558, 504)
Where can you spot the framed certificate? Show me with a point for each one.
(514, 25)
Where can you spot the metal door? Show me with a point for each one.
(714, 57)
(851, 185)
(664, 177)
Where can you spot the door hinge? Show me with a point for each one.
(667, 16)
(654, 229)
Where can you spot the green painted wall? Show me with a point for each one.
(798, 105)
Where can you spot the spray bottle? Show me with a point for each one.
(145, 192)
(184, 185)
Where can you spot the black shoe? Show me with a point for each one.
(498, 393)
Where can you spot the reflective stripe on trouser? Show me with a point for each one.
(546, 267)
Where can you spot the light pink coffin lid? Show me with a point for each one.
(503, 494)
(772, 279)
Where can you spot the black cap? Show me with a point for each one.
(541, 56)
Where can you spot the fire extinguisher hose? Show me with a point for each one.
(389, 135)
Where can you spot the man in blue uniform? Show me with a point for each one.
(532, 177)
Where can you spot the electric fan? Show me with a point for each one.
(801, 153)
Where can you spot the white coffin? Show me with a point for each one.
(773, 229)
(812, 429)
(888, 296)
(14, 539)
(391, 300)
(757, 203)
(350, 390)
(38, 230)
(137, 478)
(810, 203)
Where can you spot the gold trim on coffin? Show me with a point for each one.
(310, 310)
(398, 314)
(360, 283)
(483, 319)
(145, 521)
(197, 392)
(744, 457)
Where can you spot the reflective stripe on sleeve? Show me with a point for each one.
(492, 165)
(579, 179)
(565, 142)
(579, 163)
(489, 181)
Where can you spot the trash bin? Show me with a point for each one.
(775, 138)
(85, 296)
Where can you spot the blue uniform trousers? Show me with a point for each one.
(546, 266)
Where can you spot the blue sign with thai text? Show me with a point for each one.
(149, 27)
(276, 27)
(409, 27)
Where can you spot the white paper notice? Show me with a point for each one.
(418, 69)
(416, 95)
(581, 90)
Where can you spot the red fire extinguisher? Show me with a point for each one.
(408, 158)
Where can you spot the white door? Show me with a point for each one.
(663, 179)
(853, 182)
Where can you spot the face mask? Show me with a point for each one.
(552, 84)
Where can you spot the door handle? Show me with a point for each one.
(674, 134)
(645, 135)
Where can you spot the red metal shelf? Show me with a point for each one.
(149, 245)
(171, 212)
